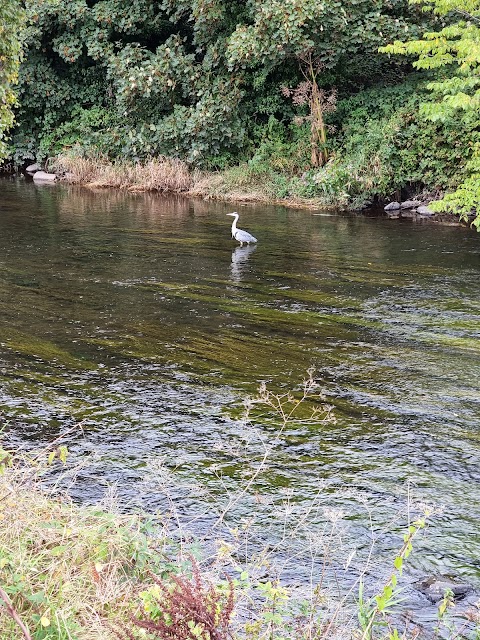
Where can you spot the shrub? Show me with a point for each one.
(385, 145)
(186, 608)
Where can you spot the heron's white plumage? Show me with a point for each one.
(239, 234)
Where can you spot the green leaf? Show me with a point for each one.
(58, 550)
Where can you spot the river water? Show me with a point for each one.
(137, 316)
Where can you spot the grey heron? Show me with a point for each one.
(239, 234)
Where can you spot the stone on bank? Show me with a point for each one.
(43, 176)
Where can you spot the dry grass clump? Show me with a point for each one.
(158, 174)
(237, 184)
(165, 175)
(65, 569)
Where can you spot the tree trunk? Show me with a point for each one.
(318, 134)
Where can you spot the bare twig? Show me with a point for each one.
(14, 615)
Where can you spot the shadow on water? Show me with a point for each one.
(136, 315)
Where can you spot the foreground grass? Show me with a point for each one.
(66, 569)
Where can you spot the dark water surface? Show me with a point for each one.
(137, 315)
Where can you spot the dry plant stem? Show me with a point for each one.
(343, 600)
(13, 614)
(319, 155)
(310, 67)
(38, 458)
(458, 634)
(62, 436)
(276, 402)
(233, 501)
(294, 532)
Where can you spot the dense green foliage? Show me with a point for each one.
(11, 19)
(198, 79)
(454, 51)
(220, 83)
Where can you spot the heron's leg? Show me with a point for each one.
(241, 243)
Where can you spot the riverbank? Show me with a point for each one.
(241, 184)
(91, 572)
(170, 175)
(65, 571)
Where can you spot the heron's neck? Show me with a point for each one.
(234, 224)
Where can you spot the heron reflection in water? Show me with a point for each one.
(240, 257)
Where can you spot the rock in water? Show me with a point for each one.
(425, 211)
(410, 204)
(392, 206)
(33, 168)
(42, 176)
(434, 587)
